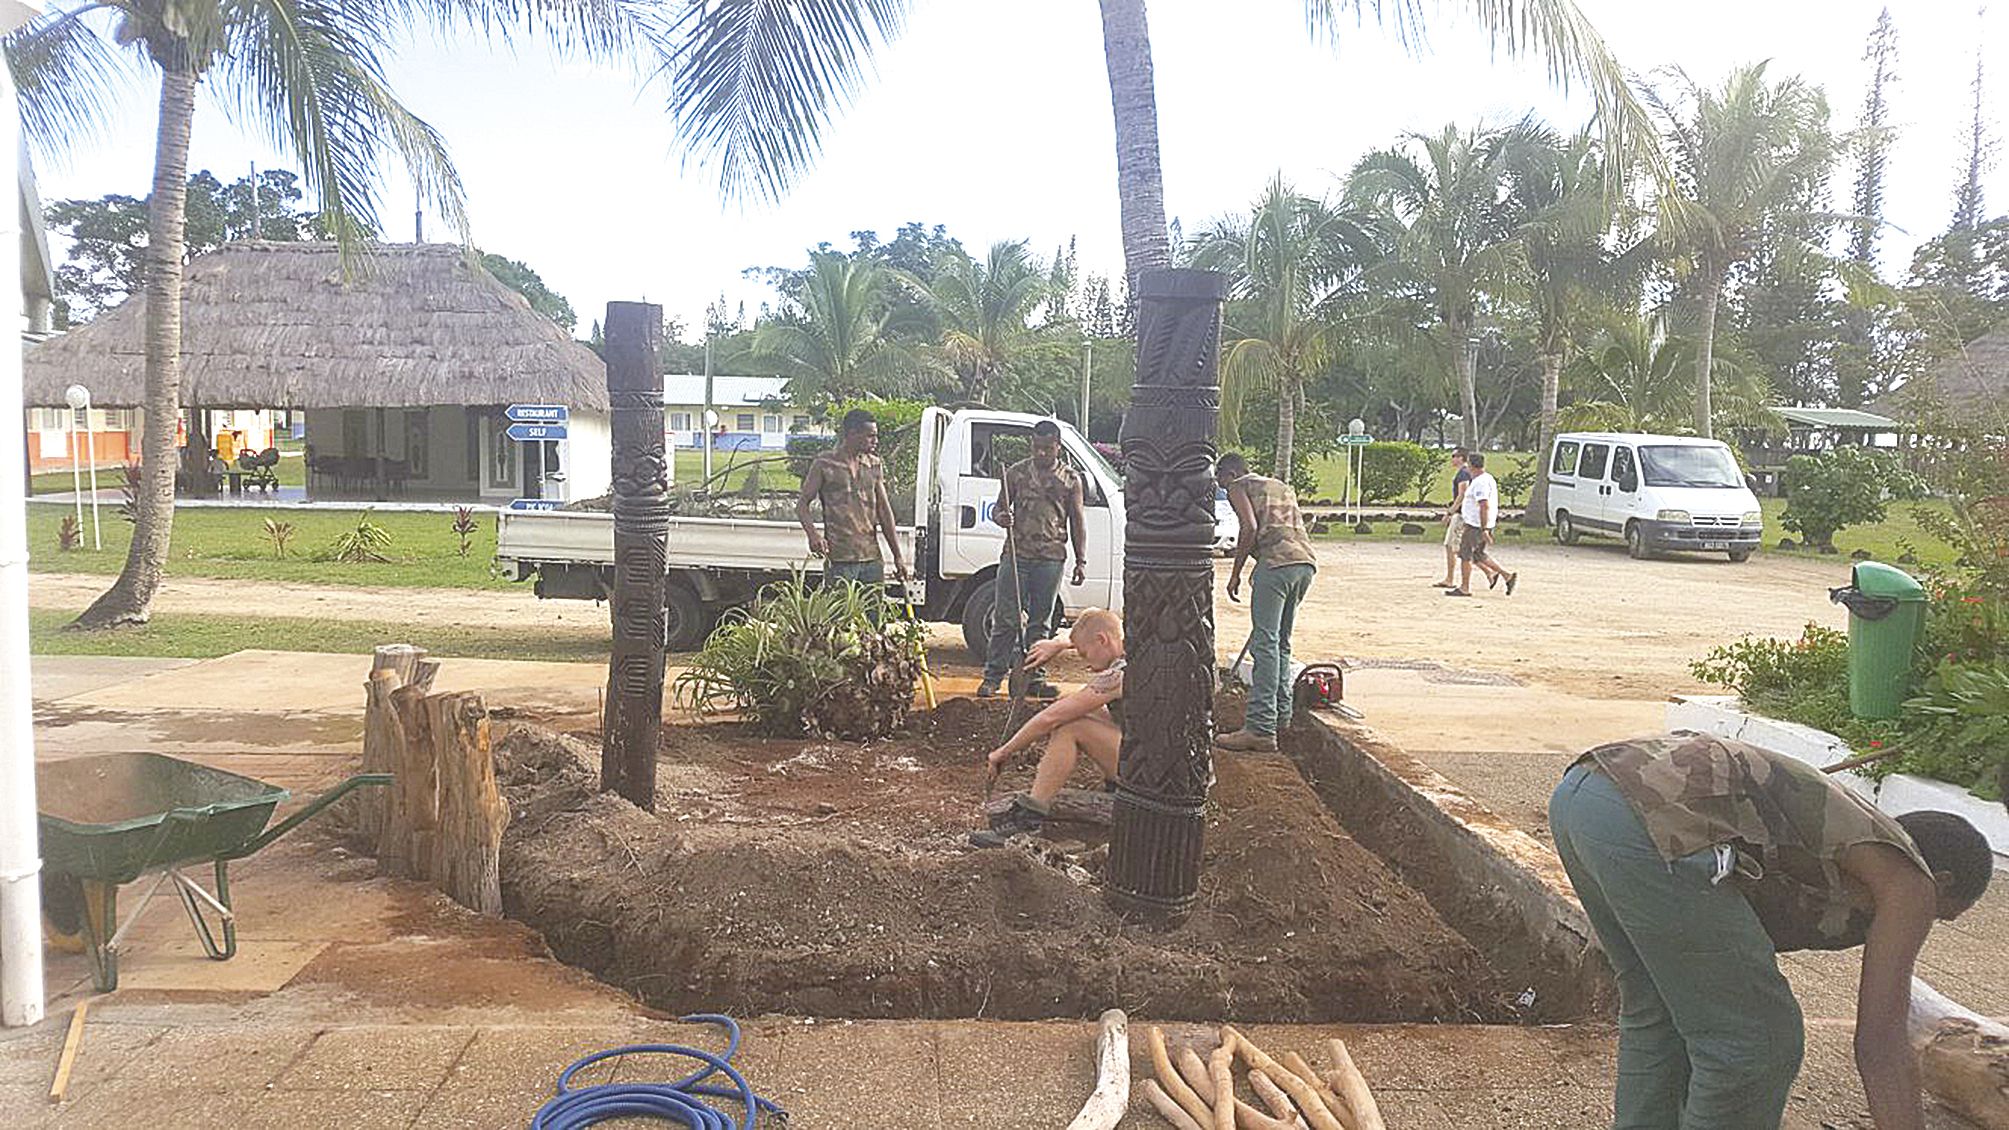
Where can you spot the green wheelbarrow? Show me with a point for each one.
(110, 819)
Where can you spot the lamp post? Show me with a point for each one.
(20, 859)
(79, 399)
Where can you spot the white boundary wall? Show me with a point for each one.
(1897, 794)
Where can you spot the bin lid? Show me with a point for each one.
(1874, 578)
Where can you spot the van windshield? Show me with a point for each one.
(1688, 465)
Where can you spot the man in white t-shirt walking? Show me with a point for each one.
(1481, 512)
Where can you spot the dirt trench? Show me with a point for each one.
(827, 879)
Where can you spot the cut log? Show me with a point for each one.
(1221, 1069)
(472, 813)
(1199, 1076)
(1333, 1100)
(406, 847)
(1082, 806)
(1273, 1097)
(392, 665)
(1352, 1086)
(1963, 1058)
(1167, 1109)
(1111, 1098)
(1201, 1113)
(1302, 1093)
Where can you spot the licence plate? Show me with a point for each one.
(1716, 545)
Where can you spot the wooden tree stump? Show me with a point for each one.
(392, 666)
(1962, 1057)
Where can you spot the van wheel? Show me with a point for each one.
(1740, 555)
(977, 620)
(1635, 541)
(689, 623)
(1566, 530)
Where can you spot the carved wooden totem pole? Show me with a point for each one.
(632, 727)
(1168, 595)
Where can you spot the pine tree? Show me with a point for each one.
(1876, 140)
(1967, 203)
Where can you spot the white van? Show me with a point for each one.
(1656, 492)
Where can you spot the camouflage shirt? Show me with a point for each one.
(1280, 536)
(1782, 825)
(850, 506)
(1039, 508)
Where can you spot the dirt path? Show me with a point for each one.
(440, 608)
(1586, 619)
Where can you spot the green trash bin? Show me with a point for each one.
(1886, 620)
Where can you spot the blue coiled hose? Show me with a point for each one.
(681, 1102)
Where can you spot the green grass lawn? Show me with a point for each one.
(231, 544)
(1331, 471)
(205, 637)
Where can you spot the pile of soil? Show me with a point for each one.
(833, 879)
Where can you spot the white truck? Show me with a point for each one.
(951, 545)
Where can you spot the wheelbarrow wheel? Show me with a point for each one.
(62, 912)
(100, 920)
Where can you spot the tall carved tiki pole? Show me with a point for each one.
(632, 727)
(1168, 595)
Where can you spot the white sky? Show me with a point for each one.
(993, 118)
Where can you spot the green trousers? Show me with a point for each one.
(1274, 594)
(1709, 1035)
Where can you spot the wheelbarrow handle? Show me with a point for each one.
(313, 809)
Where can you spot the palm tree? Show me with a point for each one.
(1460, 247)
(1292, 263)
(986, 307)
(1567, 218)
(1634, 378)
(754, 82)
(307, 72)
(831, 339)
(1738, 155)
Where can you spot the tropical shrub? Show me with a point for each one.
(368, 543)
(1843, 487)
(129, 491)
(1515, 484)
(464, 527)
(833, 662)
(1389, 469)
(278, 535)
(69, 535)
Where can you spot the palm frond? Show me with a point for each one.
(308, 73)
(596, 29)
(753, 83)
(69, 77)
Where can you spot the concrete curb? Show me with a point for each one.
(1494, 883)
(1897, 794)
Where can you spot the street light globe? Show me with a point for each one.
(1356, 427)
(76, 396)
(711, 418)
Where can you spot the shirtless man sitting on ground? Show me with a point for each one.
(1089, 721)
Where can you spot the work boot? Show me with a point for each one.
(1246, 741)
(1018, 820)
(988, 688)
(1041, 689)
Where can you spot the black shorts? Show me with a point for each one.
(1472, 546)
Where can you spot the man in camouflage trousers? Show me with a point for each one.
(1040, 508)
(1698, 860)
(1273, 532)
(850, 482)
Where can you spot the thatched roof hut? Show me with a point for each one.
(1972, 382)
(274, 325)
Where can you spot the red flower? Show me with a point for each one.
(1970, 600)
(1874, 744)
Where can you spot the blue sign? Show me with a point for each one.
(531, 433)
(537, 413)
(535, 504)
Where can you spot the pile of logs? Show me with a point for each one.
(1198, 1093)
(441, 820)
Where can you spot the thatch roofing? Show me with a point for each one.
(1973, 381)
(274, 325)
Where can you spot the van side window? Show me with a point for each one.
(1621, 465)
(1566, 458)
(1592, 465)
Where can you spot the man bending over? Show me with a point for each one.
(1089, 721)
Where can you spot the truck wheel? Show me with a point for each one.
(1740, 555)
(1635, 541)
(1566, 530)
(689, 623)
(977, 620)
